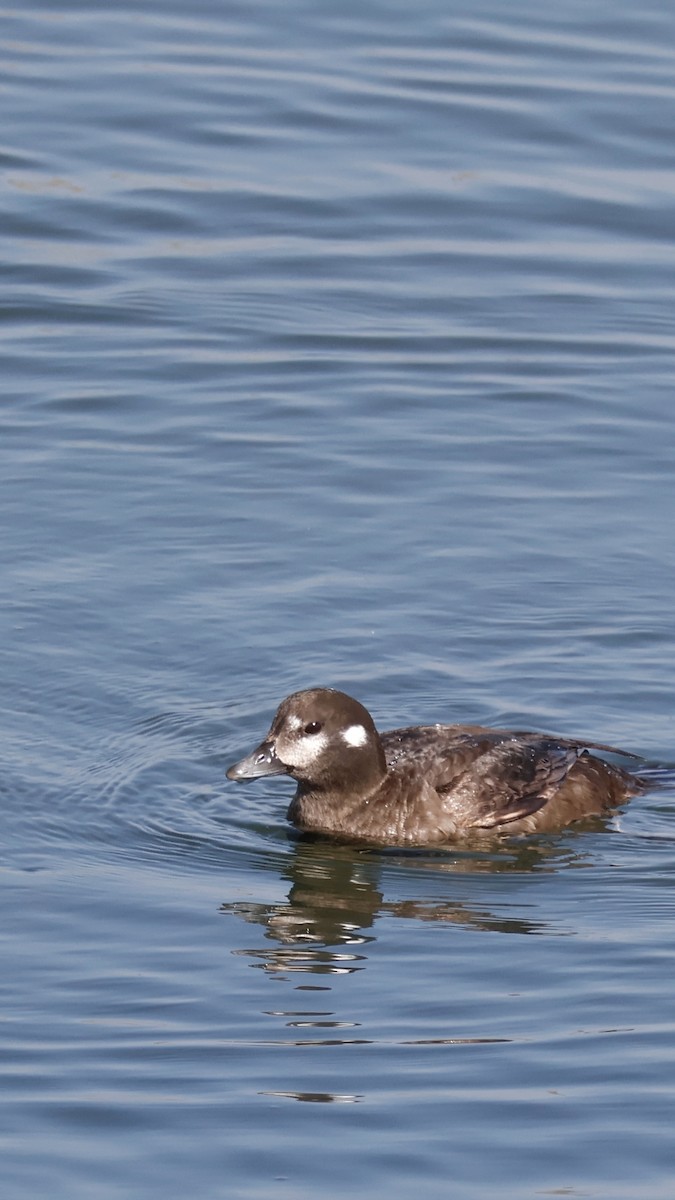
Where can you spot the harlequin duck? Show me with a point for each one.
(427, 784)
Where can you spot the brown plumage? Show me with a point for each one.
(430, 784)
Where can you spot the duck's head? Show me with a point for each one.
(321, 737)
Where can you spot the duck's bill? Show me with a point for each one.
(262, 761)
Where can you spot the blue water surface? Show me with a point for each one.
(338, 348)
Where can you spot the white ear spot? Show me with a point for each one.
(355, 735)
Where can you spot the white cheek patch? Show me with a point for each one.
(307, 749)
(354, 735)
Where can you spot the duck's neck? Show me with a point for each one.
(332, 803)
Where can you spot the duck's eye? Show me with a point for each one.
(313, 727)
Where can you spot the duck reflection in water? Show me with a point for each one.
(335, 897)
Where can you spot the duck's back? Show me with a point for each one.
(486, 778)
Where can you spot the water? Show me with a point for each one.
(337, 348)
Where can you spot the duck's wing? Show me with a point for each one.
(511, 780)
(487, 777)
